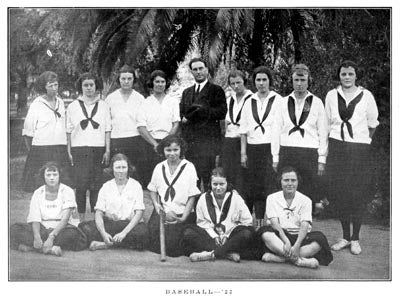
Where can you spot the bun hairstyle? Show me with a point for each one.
(85, 76)
(220, 172)
(167, 141)
(237, 73)
(265, 70)
(125, 69)
(302, 70)
(51, 166)
(43, 79)
(347, 64)
(153, 75)
(287, 169)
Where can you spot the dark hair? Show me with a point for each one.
(125, 69)
(153, 76)
(85, 76)
(167, 141)
(52, 166)
(346, 64)
(220, 172)
(287, 169)
(197, 59)
(237, 73)
(265, 70)
(121, 157)
(43, 79)
(302, 70)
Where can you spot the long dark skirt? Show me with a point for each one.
(147, 162)
(324, 256)
(136, 238)
(132, 147)
(69, 238)
(231, 163)
(88, 174)
(196, 239)
(173, 235)
(350, 173)
(259, 177)
(305, 160)
(37, 157)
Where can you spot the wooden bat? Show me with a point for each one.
(163, 255)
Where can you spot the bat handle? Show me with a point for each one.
(163, 255)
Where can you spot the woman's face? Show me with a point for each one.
(120, 169)
(347, 77)
(52, 88)
(159, 84)
(219, 186)
(88, 87)
(300, 82)
(237, 84)
(51, 177)
(262, 82)
(289, 182)
(126, 80)
(172, 152)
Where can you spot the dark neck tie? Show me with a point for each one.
(303, 117)
(170, 192)
(211, 209)
(85, 122)
(198, 90)
(346, 112)
(55, 111)
(231, 104)
(266, 113)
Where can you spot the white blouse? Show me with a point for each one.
(233, 130)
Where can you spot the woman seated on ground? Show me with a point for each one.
(288, 237)
(119, 211)
(224, 224)
(50, 226)
(173, 190)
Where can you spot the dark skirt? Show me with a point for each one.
(136, 238)
(231, 163)
(37, 157)
(350, 172)
(147, 162)
(259, 177)
(324, 256)
(173, 234)
(70, 238)
(305, 160)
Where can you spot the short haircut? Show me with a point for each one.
(302, 70)
(237, 73)
(265, 70)
(43, 79)
(125, 69)
(85, 76)
(197, 59)
(287, 169)
(346, 64)
(220, 172)
(51, 166)
(167, 141)
(121, 157)
(153, 76)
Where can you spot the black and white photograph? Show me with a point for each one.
(200, 150)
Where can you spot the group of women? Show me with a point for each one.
(265, 135)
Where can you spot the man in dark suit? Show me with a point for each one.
(202, 107)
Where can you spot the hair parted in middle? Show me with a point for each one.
(237, 73)
(265, 70)
(121, 157)
(125, 69)
(302, 70)
(85, 76)
(153, 75)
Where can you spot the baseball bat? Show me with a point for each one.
(163, 255)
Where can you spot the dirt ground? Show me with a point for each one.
(128, 265)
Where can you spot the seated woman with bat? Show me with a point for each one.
(173, 191)
(119, 211)
(224, 224)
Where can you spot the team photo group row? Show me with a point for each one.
(173, 145)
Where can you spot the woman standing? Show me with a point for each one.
(289, 238)
(173, 190)
(44, 131)
(224, 224)
(124, 104)
(352, 117)
(258, 116)
(158, 117)
(231, 145)
(88, 135)
(119, 211)
(301, 135)
(50, 227)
